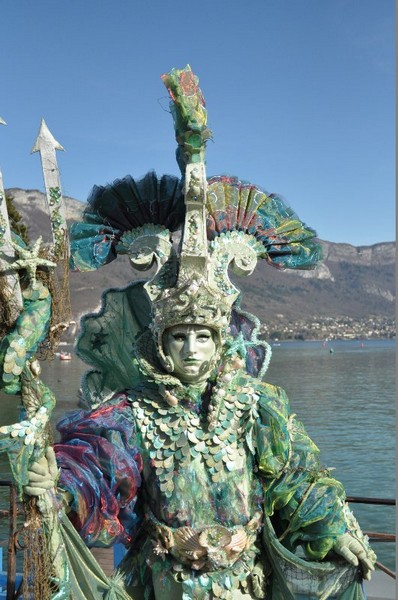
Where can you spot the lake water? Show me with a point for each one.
(346, 399)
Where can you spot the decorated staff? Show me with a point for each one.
(29, 305)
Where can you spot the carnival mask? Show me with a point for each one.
(192, 349)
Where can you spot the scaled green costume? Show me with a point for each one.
(212, 497)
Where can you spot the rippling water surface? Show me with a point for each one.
(344, 394)
(346, 399)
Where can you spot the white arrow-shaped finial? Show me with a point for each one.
(45, 138)
(46, 144)
(11, 291)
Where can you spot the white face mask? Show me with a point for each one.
(191, 348)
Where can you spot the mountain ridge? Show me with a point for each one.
(352, 281)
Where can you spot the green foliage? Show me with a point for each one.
(15, 218)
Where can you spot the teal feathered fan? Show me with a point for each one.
(234, 205)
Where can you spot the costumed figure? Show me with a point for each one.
(185, 455)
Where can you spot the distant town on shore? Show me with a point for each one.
(328, 328)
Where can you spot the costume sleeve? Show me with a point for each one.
(307, 504)
(100, 467)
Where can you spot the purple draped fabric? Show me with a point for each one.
(100, 467)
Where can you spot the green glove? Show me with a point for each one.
(43, 475)
(356, 552)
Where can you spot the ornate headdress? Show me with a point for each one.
(225, 223)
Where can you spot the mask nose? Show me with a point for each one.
(190, 344)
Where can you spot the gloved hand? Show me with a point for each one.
(355, 552)
(43, 475)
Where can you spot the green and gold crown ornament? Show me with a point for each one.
(224, 223)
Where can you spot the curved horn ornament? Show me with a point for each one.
(235, 250)
(150, 245)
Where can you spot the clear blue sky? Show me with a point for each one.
(300, 95)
